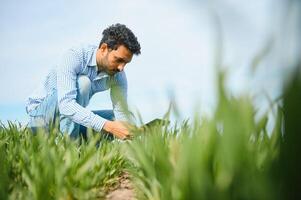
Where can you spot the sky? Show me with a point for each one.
(178, 40)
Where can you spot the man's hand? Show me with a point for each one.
(117, 128)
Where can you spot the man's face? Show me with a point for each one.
(113, 61)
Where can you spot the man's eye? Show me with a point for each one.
(119, 60)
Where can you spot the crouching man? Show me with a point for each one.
(82, 72)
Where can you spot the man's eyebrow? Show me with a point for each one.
(119, 58)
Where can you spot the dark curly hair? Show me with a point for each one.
(118, 34)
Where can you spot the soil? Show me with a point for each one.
(123, 191)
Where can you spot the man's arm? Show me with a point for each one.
(67, 71)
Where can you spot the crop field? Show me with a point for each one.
(227, 156)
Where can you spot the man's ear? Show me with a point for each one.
(103, 47)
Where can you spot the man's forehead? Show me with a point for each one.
(122, 48)
(123, 53)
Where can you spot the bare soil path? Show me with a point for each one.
(123, 191)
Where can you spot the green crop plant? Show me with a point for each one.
(51, 166)
(228, 156)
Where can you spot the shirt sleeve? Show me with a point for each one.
(67, 73)
(119, 96)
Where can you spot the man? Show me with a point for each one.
(82, 72)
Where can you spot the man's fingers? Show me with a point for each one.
(121, 133)
(118, 134)
(119, 129)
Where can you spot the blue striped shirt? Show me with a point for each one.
(62, 80)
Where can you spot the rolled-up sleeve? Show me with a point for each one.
(67, 72)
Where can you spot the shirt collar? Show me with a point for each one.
(92, 61)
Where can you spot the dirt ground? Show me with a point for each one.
(123, 191)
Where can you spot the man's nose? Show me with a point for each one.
(120, 67)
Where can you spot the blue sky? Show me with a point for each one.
(178, 45)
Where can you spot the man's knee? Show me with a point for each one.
(84, 85)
